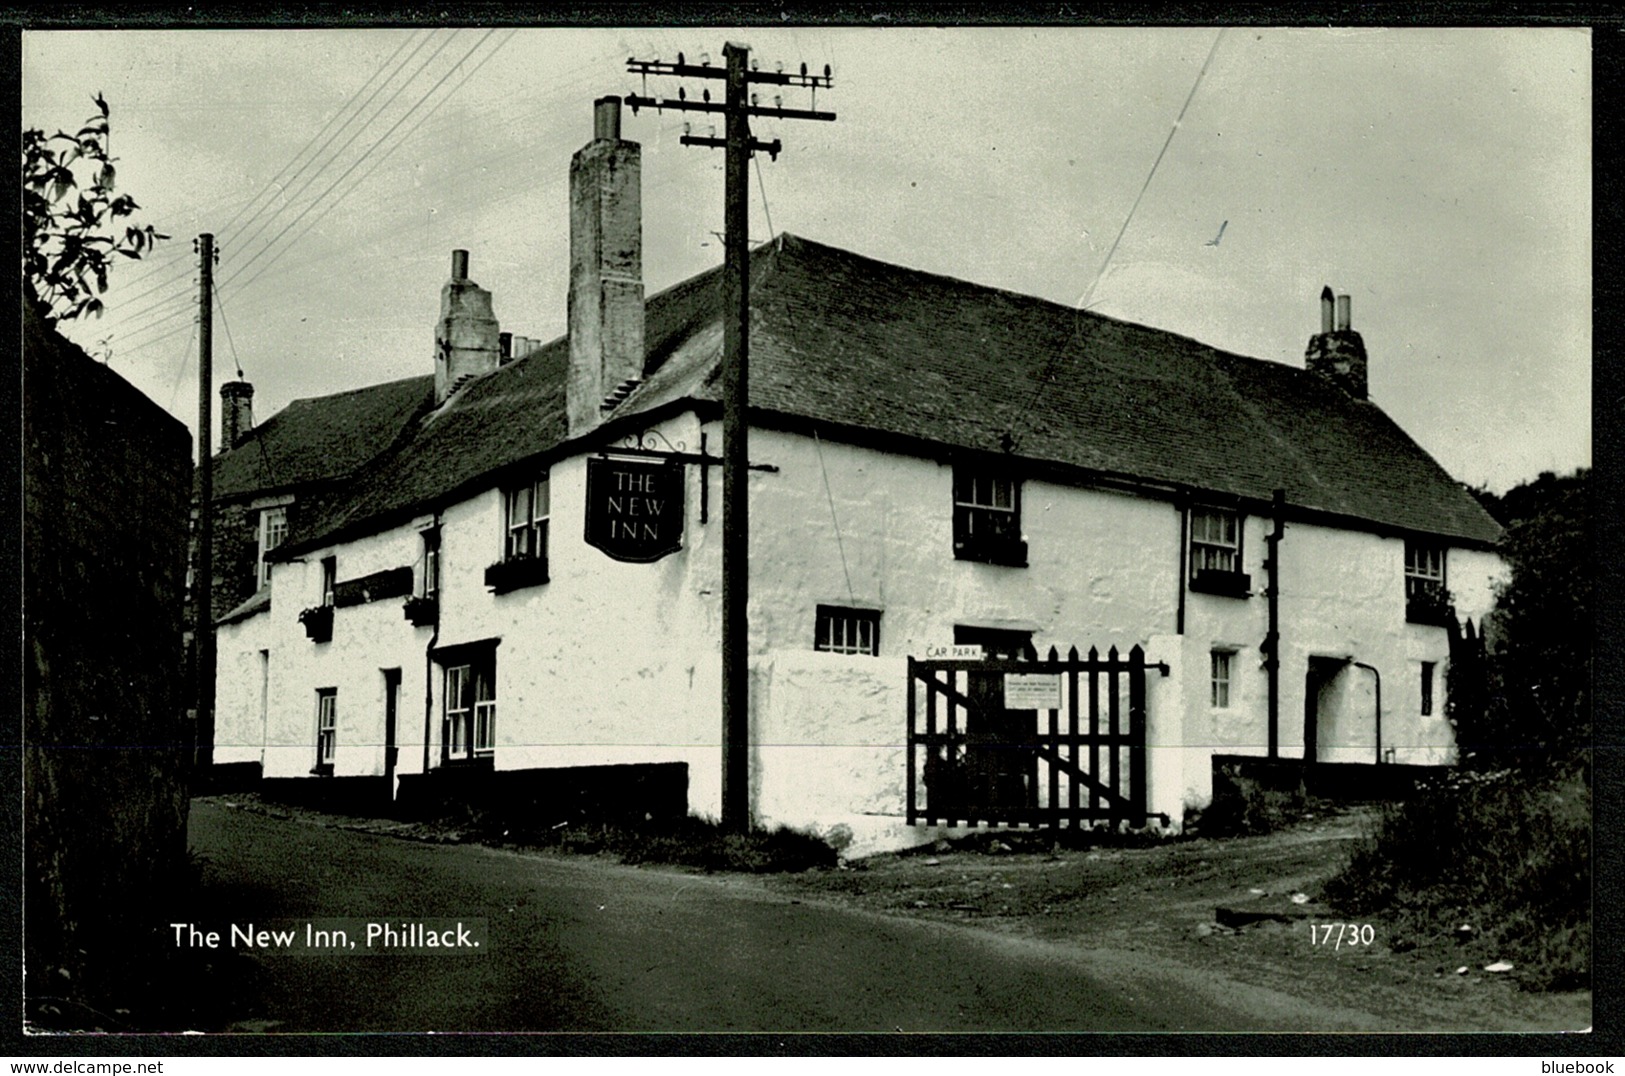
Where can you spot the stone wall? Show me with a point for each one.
(106, 481)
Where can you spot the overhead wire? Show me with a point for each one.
(352, 106)
(379, 160)
(1012, 434)
(519, 167)
(244, 241)
(266, 469)
(243, 265)
(840, 546)
(243, 207)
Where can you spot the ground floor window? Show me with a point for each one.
(470, 709)
(847, 631)
(1221, 662)
(1427, 688)
(327, 706)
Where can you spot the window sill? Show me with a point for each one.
(1221, 583)
(478, 762)
(507, 575)
(1430, 614)
(1009, 553)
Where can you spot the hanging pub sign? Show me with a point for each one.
(635, 508)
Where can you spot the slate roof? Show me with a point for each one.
(851, 342)
(321, 438)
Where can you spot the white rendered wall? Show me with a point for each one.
(367, 639)
(241, 689)
(614, 663)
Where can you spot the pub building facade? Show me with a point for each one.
(526, 579)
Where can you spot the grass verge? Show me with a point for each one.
(687, 842)
(1506, 855)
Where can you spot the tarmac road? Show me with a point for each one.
(581, 945)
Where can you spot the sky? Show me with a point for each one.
(1440, 177)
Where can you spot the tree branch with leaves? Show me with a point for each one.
(71, 217)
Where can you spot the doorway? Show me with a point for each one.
(1322, 671)
(392, 706)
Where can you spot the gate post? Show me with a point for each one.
(1136, 731)
(913, 812)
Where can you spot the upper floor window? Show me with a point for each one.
(1426, 599)
(273, 529)
(330, 578)
(431, 563)
(847, 631)
(527, 511)
(1215, 563)
(987, 517)
(1215, 540)
(1424, 570)
(327, 703)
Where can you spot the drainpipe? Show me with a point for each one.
(1272, 639)
(428, 662)
(1184, 567)
(1372, 669)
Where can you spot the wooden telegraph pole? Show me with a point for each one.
(203, 579)
(737, 106)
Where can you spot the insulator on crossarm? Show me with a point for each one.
(682, 95)
(707, 95)
(688, 129)
(826, 71)
(803, 70)
(705, 59)
(679, 59)
(779, 67)
(753, 99)
(778, 101)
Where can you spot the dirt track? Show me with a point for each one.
(1155, 907)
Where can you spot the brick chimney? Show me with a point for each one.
(466, 341)
(236, 412)
(606, 268)
(1337, 352)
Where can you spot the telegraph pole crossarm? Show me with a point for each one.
(737, 107)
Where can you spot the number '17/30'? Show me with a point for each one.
(1338, 935)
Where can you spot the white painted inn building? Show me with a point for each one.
(938, 463)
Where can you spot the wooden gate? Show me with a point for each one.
(1027, 742)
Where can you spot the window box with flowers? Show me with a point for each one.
(421, 611)
(318, 622)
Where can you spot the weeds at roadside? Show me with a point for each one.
(1244, 807)
(1505, 855)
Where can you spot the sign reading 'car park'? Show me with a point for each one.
(941, 652)
(634, 508)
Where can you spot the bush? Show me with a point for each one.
(1245, 807)
(1504, 851)
(1532, 705)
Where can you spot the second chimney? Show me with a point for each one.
(236, 412)
(1337, 352)
(466, 340)
(606, 268)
